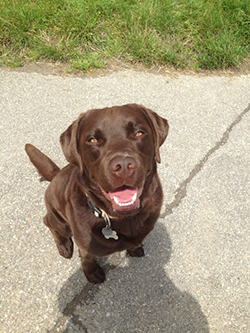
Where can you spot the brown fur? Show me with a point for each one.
(107, 149)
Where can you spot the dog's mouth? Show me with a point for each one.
(124, 198)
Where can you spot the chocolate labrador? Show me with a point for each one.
(109, 196)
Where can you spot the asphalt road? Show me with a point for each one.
(195, 276)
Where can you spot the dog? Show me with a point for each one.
(108, 198)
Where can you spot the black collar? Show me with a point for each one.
(107, 231)
(96, 211)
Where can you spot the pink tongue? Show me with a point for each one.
(123, 194)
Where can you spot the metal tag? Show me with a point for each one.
(108, 232)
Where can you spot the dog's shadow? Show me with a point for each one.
(138, 296)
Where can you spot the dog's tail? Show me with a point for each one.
(44, 165)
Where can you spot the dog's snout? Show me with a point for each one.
(122, 166)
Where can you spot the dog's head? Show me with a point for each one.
(116, 148)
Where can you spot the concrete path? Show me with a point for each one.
(195, 276)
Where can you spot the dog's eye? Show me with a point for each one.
(92, 139)
(139, 134)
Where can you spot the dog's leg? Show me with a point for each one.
(64, 245)
(137, 252)
(93, 272)
(61, 233)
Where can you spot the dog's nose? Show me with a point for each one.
(122, 166)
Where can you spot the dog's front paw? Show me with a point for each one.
(66, 248)
(138, 252)
(98, 276)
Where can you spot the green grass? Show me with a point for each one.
(197, 34)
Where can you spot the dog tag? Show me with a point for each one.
(109, 233)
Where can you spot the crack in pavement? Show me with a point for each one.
(90, 289)
(181, 192)
(88, 292)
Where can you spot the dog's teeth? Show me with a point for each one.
(116, 200)
(126, 204)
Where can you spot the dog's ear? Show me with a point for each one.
(160, 129)
(69, 142)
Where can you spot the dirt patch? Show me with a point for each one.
(60, 69)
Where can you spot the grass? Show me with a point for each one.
(197, 34)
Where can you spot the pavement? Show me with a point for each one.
(195, 276)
